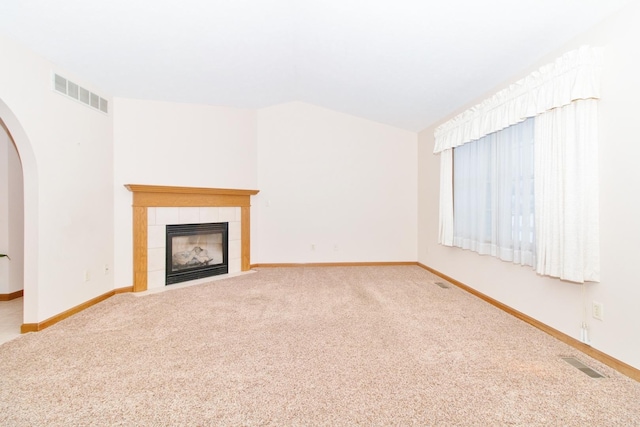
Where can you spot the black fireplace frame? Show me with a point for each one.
(197, 272)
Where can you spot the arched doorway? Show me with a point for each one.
(29, 272)
(11, 237)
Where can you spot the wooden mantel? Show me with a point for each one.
(145, 196)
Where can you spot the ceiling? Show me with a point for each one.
(407, 63)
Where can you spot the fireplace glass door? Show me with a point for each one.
(195, 251)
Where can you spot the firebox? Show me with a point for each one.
(195, 251)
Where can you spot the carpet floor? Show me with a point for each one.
(343, 346)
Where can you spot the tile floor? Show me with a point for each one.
(10, 319)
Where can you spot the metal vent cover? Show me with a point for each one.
(581, 366)
(74, 91)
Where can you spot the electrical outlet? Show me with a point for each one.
(313, 247)
(598, 310)
(106, 269)
(87, 276)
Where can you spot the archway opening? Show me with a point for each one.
(20, 195)
(11, 237)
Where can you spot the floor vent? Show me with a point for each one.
(442, 285)
(85, 96)
(581, 366)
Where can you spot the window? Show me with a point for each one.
(538, 136)
(493, 194)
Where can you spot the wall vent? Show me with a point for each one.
(85, 96)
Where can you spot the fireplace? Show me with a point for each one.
(155, 207)
(195, 251)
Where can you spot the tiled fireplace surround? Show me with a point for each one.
(156, 206)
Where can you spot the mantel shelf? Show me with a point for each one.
(166, 196)
(141, 188)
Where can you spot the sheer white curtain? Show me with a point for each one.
(494, 194)
(445, 235)
(567, 230)
(561, 98)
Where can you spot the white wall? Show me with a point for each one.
(66, 153)
(554, 302)
(11, 216)
(331, 179)
(163, 143)
(344, 184)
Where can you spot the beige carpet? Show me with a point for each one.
(372, 346)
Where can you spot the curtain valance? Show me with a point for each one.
(575, 75)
